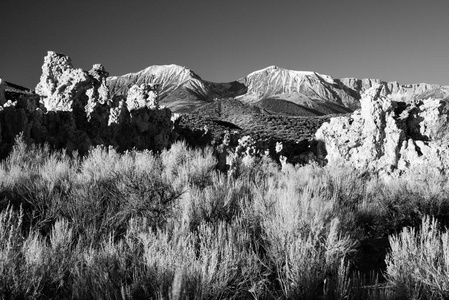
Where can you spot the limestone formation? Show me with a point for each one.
(144, 95)
(63, 87)
(74, 111)
(390, 135)
(60, 84)
(98, 92)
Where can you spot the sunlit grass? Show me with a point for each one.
(170, 226)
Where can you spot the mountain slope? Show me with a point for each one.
(274, 90)
(298, 87)
(397, 91)
(181, 89)
(170, 78)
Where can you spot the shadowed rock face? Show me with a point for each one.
(2, 92)
(73, 110)
(390, 135)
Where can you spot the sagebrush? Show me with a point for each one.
(169, 225)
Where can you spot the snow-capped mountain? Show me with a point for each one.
(274, 89)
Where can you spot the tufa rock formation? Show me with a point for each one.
(388, 135)
(73, 110)
(144, 95)
(65, 88)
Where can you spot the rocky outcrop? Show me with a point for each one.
(65, 88)
(73, 110)
(390, 135)
(140, 96)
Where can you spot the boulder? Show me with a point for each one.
(388, 135)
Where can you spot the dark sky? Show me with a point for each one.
(224, 40)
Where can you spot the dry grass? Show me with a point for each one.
(169, 226)
(418, 264)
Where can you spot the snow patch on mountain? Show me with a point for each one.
(280, 83)
(169, 78)
(270, 88)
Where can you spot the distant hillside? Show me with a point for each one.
(181, 89)
(274, 90)
(232, 114)
(271, 105)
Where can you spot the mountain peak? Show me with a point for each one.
(163, 70)
(275, 71)
(277, 89)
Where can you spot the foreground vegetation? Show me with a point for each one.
(169, 226)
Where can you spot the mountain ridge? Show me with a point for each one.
(274, 89)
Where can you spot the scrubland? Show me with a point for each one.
(139, 225)
(259, 126)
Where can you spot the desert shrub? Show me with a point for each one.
(216, 262)
(11, 241)
(26, 157)
(148, 196)
(48, 262)
(41, 203)
(99, 208)
(222, 201)
(185, 167)
(29, 267)
(304, 250)
(27, 162)
(109, 270)
(388, 206)
(227, 262)
(170, 258)
(36, 179)
(255, 170)
(105, 163)
(418, 264)
(102, 163)
(138, 225)
(98, 195)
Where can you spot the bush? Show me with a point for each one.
(138, 225)
(418, 264)
(185, 167)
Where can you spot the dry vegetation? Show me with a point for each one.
(140, 225)
(233, 115)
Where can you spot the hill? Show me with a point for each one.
(274, 90)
